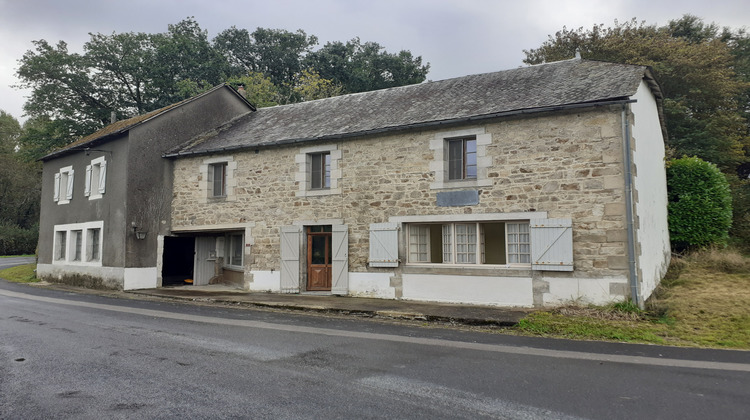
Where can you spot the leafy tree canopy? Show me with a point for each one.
(133, 73)
(706, 93)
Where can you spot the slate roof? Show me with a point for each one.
(125, 125)
(537, 88)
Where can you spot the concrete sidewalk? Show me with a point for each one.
(404, 309)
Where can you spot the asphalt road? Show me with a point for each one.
(68, 355)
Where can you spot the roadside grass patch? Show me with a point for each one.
(704, 301)
(20, 274)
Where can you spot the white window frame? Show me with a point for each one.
(230, 241)
(64, 243)
(206, 179)
(439, 164)
(458, 253)
(303, 177)
(96, 178)
(63, 185)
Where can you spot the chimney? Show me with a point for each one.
(113, 117)
(241, 90)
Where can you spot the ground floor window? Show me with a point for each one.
(498, 243)
(234, 249)
(78, 243)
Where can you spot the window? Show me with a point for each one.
(320, 170)
(96, 178)
(78, 243)
(498, 243)
(61, 243)
(234, 249)
(462, 158)
(92, 249)
(217, 179)
(63, 185)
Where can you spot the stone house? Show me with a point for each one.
(528, 187)
(106, 198)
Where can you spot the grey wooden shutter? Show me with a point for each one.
(383, 245)
(69, 194)
(102, 177)
(56, 186)
(87, 183)
(551, 244)
(290, 258)
(340, 251)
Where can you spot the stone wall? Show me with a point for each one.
(568, 164)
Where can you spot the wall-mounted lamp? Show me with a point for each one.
(139, 234)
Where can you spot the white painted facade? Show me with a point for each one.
(650, 183)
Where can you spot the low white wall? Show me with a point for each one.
(563, 291)
(374, 285)
(496, 291)
(140, 278)
(110, 277)
(265, 281)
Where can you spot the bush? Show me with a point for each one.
(15, 240)
(700, 204)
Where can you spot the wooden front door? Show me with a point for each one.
(319, 258)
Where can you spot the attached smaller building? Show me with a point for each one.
(106, 199)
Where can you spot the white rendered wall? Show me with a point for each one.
(650, 191)
(265, 281)
(374, 285)
(111, 277)
(564, 291)
(140, 278)
(479, 290)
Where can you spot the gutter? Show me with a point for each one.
(635, 294)
(428, 124)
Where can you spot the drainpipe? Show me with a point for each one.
(635, 295)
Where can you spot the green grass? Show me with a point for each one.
(20, 274)
(703, 302)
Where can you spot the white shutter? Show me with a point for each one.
(290, 258)
(69, 194)
(102, 176)
(340, 253)
(383, 245)
(56, 187)
(551, 244)
(87, 187)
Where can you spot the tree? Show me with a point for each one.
(20, 185)
(695, 69)
(259, 90)
(700, 203)
(311, 86)
(359, 67)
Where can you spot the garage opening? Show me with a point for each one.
(178, 260)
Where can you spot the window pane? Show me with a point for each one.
(62, 238)
(236, 257)
(447, 243)
(219, 179)
(327, 171)
(320, 170)
(466, 243)
(455, 159)
(418, 243)
(519, 249)
(93, 244)
(471, 158)
(77, 243)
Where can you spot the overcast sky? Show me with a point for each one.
(457, 37)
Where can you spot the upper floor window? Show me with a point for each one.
(462, 158)
(499, 243)
(217, 179)
(96, 178)
(320, 170)
(63, 185)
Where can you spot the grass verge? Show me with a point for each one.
(704, 301)
(20, 274)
